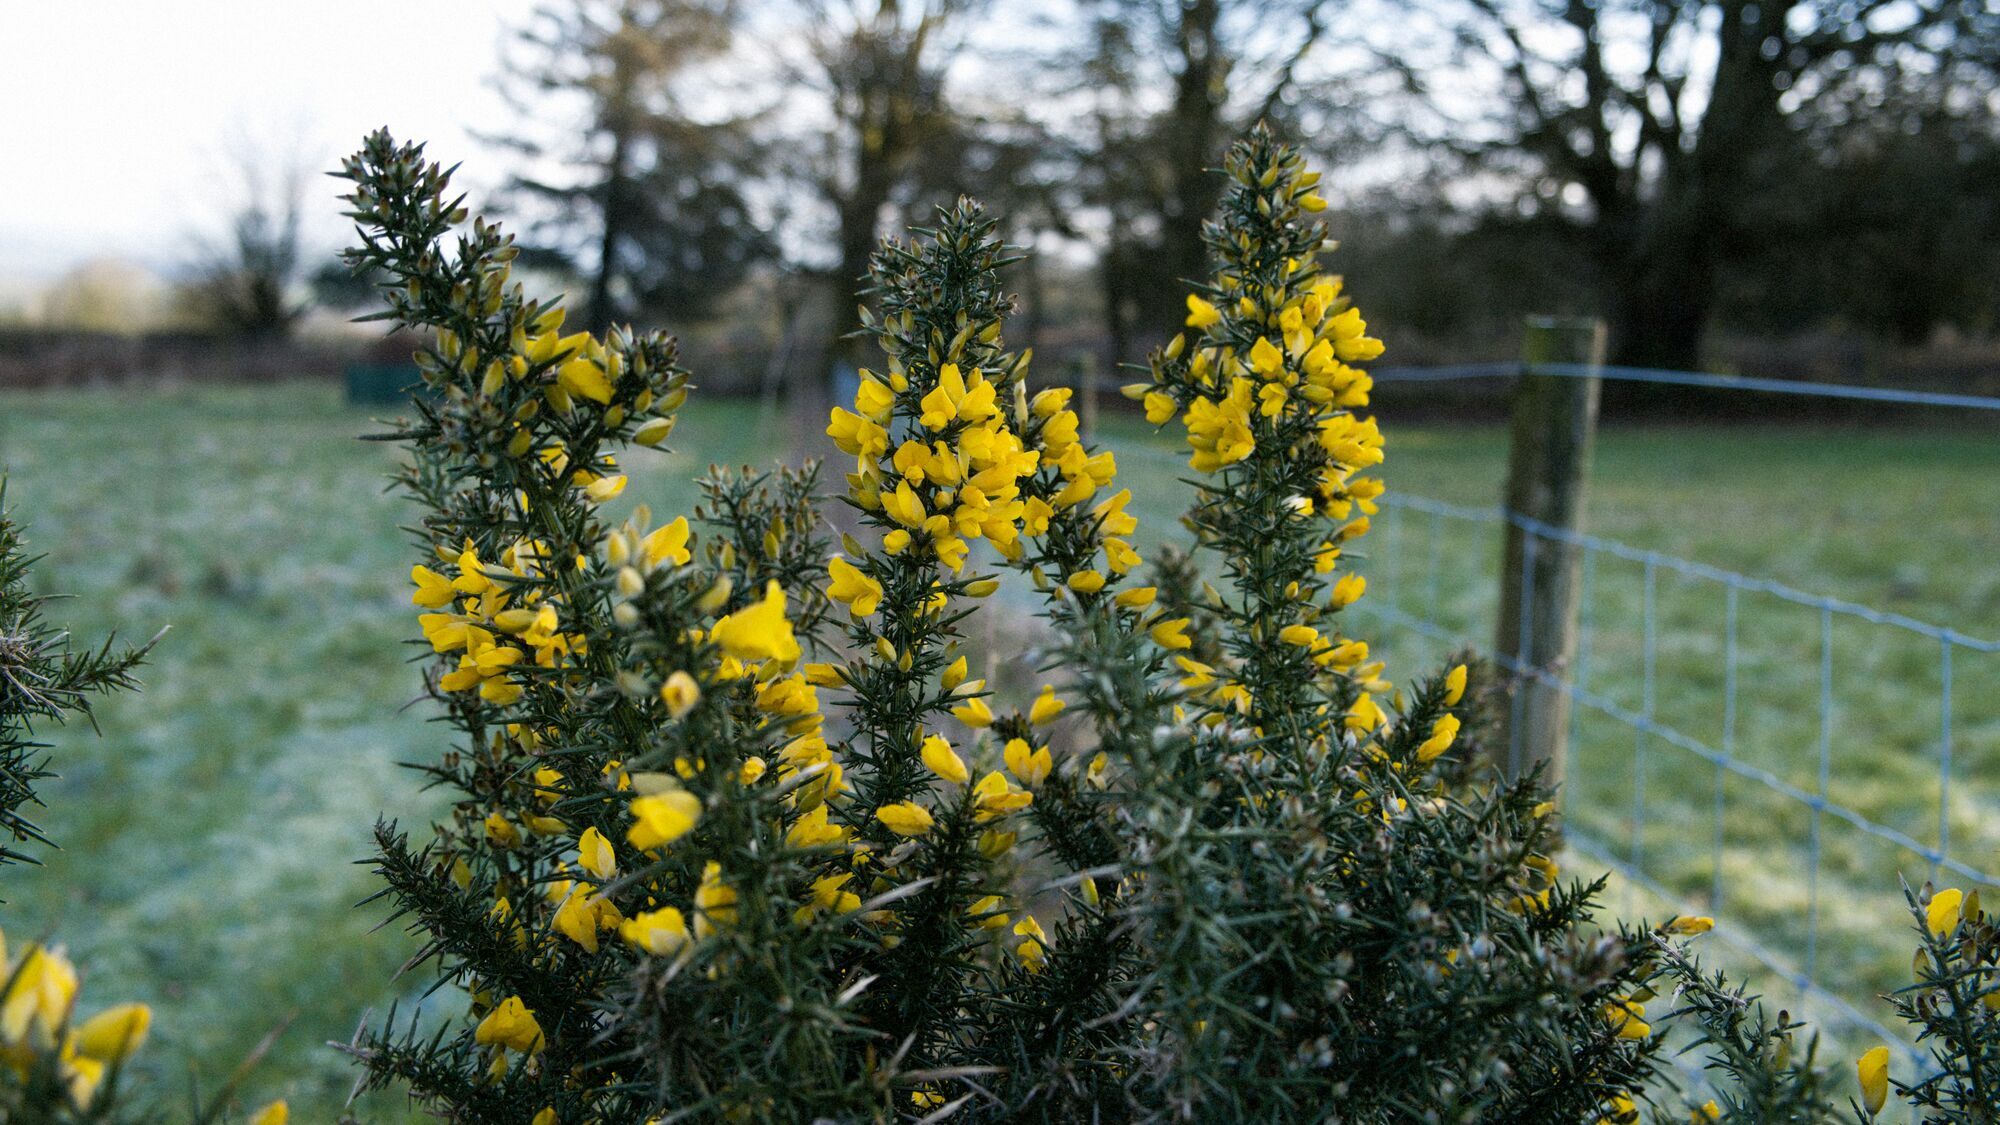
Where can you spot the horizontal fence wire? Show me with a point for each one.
(1798, 967)
(1662, 377)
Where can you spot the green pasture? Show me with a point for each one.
(209, 834)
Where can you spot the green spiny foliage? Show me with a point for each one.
(1755, 1062)
(1208, 873)
(43, 678)
(1954, 1005)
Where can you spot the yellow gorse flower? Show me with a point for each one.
(905, 818)
(1030, 764)
(1201, 314)
(113, 1034)
(659, 932)
(1454, 685)
(943, 761)
(662, 818)
(511, 1026)
(41, 988)
(1872, 1071)
(1441, 737)
(853, 589)
(595, 854)
(1033, 949)
(1627, 1018)
(714, 902)
(583, 913)
(680, 693)
(1942, 913)
(1688, 925)
(760, 631)
(1046, 707)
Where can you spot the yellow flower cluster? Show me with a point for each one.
(957, 477)
(941, 464)
(1263, 377)
(582, 369)
(494, 617)
(510, 1026)
(37, 1008)
(551, 371)
(1307, 371)
(755, 645)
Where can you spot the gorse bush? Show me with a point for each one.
(737, 834)
(1954, 1006)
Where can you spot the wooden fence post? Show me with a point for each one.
(1555, 426)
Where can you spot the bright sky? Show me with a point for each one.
(122, 115)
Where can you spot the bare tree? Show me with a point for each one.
(1660, 126)
(1168, 85)
(620, 176)
(245, 281)
(880, 65)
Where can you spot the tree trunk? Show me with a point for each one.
(1032, 290)
(1193, 129)
(1112, 277)
(858, 215)
(815, 389)
(611, 206)
(1661, 308)
(1666, 292)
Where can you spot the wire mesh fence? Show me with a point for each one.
(1739, 747)
(1709, 733)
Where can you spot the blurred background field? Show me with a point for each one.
(209, 836)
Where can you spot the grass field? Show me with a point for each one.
(208, 836)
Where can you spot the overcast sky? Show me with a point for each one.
(121, 115)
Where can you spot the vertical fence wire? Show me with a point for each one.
(1819, 803)
(1731, 601)
(1944, 752)
(1648, 701)
(1586, 639)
